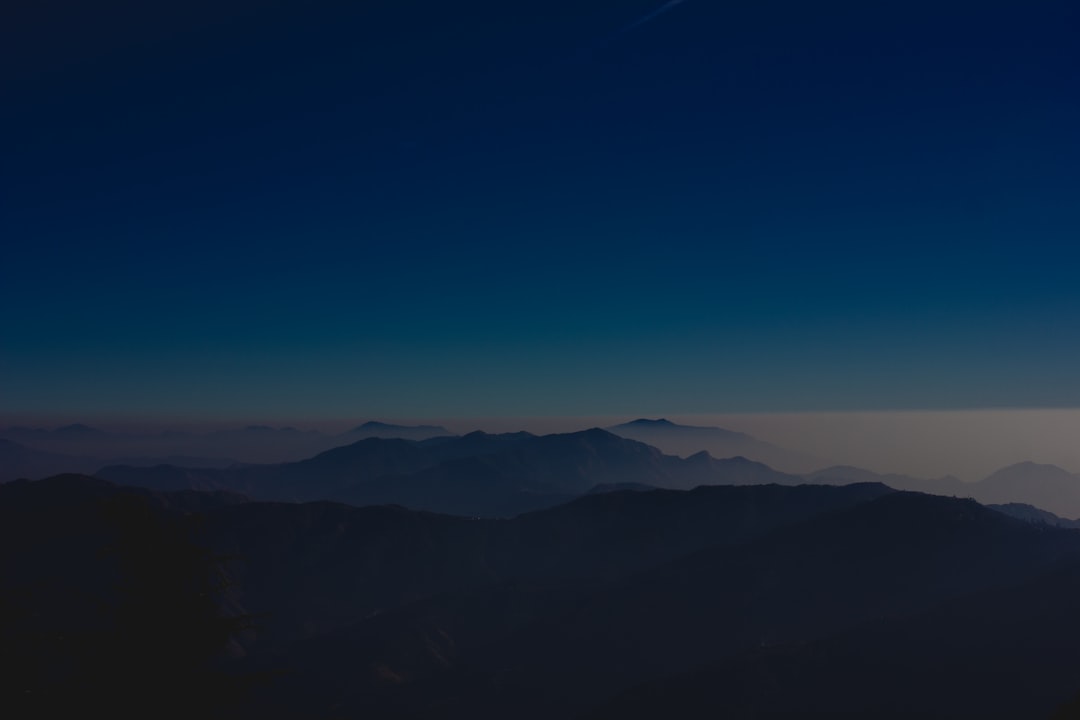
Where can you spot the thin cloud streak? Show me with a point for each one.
(649, 17)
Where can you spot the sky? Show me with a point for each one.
(409, 208)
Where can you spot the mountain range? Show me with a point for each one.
(481, 474)
(501, 475)
(374, 428)
(265, 444)
(686, 440)
(722, 601)
(478, 474)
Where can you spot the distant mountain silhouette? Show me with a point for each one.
(478, 474)
(685, 440)
(538, 476)
(19, 461)
(359, 563)
(1045, 486)
(947, 485)
(1030, 513)
(374, 428)
(665, 425)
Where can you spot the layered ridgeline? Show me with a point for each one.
(686, 440)
(501, 475)
(265, 444)
(805, 601)
(81, 448)
(1047, 487)
(375, 428)
(478, 474)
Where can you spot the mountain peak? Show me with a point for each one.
(1027, 467)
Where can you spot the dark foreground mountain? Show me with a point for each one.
(108, 607)
(360, 562)
(554, 612)
(1002, 653)
(790, 601)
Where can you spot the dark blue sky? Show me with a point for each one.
(410, 208)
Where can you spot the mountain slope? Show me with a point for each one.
(892, 557)
(686, 440)
(947, 485)
(476, 474)
(933, 664)
(1044, 486)
(387, 612)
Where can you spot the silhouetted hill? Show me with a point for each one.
(480, 582)
(1044, 486)
(374, 428)
(613, 534)
(363, 472)
(686, 440)
(895, 556)
(107, 605)
(703, 469)
(839, 474)
(1030, 513)
(663, 425)
(478, 474)
(505, 474)
(787, 598)
(596, 536)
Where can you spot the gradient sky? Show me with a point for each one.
(418, 208)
